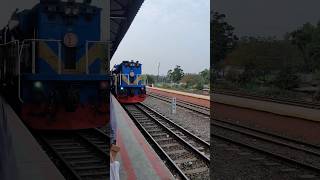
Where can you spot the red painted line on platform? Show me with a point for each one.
(160, 171)
(131, 175)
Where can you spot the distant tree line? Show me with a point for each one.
(196, 81)
(177, 76)
(223, 40)
(264, 60)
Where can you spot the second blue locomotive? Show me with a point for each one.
(128, 86)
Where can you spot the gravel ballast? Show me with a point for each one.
(193, 122)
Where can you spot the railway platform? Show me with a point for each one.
(201, 100)
(291, 121)
(21, 157)
(137, 158)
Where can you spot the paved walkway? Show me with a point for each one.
(21, 157)
(137, 159)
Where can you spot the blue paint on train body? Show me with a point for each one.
(128, 84)
(62, 58)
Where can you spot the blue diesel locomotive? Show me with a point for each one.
(54, 68)
(127, 85)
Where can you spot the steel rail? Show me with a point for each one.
(269, 140)
(194, 137)
(215, 121)
(68, 162)
(187, 146)
(262, 132)
(66, 165)
(184, 104)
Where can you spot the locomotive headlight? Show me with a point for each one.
(131, 74)
(121, 88)
(37, 85)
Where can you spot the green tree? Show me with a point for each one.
(259, 57)
(286, 79)
(193, 81)
(307, 39)
(169, 75)
(199, 85)
(223, 41)
(205, 74)
(150, 79)
(190, 80)
(177, 74)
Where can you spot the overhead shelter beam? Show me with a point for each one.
(117, 10)
(120, 4)
(122, 13)
(118, 17)
(114, 21)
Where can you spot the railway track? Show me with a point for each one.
(190, 106)
(187, 155)
(80, 155)
(288, 101)
(289, 150)
(215, 121)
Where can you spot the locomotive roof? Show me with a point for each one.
(132, 61)
(122, 13)
(117, 67)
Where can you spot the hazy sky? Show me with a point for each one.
(172, 32)
(268, 17)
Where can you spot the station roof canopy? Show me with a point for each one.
(122, 13)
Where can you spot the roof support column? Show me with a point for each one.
(105, 30)
(105, 20)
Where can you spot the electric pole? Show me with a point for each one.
(158, 72)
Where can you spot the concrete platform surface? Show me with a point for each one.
(188, 97)
(270, 107)
(137, 158)
(181, 93)
(21, 157)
